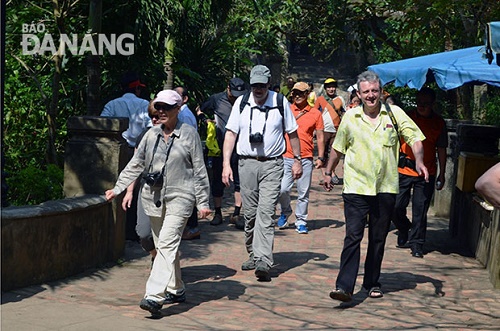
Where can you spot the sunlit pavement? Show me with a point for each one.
(447, 289)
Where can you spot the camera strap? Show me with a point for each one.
(393, 120)
(395, 124)
(169, 147)
(265, 121)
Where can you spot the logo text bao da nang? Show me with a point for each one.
(31, 44)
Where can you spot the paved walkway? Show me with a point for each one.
(448, 289)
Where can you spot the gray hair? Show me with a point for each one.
(368, 76)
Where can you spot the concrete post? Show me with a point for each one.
(95, 154)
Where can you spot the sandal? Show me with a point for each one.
(341, 295)
(375, 293)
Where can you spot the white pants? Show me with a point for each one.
(166, 272)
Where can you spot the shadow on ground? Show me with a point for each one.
(286, 261)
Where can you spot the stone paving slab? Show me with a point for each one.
(446, 290)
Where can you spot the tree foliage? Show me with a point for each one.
(213, 40)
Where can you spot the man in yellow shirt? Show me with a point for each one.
(369, 140)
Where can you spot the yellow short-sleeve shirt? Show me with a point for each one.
(371, 151)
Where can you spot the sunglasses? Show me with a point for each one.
(299, 94)
(155, 117)
(164, 106)
(259, 86)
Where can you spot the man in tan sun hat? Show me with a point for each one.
(332, 107)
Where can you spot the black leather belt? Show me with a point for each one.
(260, 158)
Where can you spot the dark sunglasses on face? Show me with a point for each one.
(298, 94)
(155, 117)
(259, 86)
(164, 106)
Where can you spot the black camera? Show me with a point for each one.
(405, 162)
(155, 179)
(256, 138)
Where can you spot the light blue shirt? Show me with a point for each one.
(186, 116)
(135, 109)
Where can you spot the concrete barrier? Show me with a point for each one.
(480, 231)
(56, 239)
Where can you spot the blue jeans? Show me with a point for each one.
(303, 187)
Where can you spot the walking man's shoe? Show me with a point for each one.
(240, 223)
(233, 218)
(248, 264)
(172, 298)
(282, 222)
(262, 271)
(302, 229)
(217, 220)
(417, 251)
(190, 234)
(341, 295)
(151, 306)
(402, 239)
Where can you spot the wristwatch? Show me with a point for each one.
(322, 159)
(297, 157)
(328, 174)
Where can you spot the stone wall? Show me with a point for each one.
(482, 224)
(62, 238)
(56, 239)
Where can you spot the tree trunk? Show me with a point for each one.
(169, 51)
(51, 153)
(93, 62)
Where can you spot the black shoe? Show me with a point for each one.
(172, 298)
(217, 220)
(341, 295)
(403, 239)
(240, 223)
(262, 271)
(151, 306)
(417, 251)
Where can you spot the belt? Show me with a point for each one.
(260, 158)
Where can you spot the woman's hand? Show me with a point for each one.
(204, 213)
(110, 195)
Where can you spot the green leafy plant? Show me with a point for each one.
(33, 185)
(492, 111)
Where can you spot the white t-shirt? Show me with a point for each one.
(273, 144)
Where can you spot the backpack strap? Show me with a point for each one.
(332, 103)
(244, 101)
(279, 105)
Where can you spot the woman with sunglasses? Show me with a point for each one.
(171, 157)
(143, 226)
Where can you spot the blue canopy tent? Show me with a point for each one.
(449, 69)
